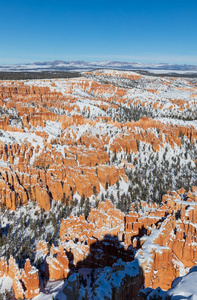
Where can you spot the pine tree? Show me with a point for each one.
(87, 208)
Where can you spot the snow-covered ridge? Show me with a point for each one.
(83, 65)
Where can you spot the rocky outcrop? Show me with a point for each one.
(31, 280)
(58, 264)
(184, 285)
(25, 282)
(21, 183)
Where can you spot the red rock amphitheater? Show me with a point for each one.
(71, 151)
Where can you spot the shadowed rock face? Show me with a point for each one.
(123, 276)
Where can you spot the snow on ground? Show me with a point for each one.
(51, 290)
(160, 71)
(145, 256)
(178, 122)
(5, 284)
(111, 278)
(185, 287)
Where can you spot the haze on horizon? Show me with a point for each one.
(134, 31)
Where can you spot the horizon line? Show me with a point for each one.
(98, 61)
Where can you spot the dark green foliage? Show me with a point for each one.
(87, 208)
(37, 75)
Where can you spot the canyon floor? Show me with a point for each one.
(98, 187)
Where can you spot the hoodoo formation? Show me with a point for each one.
(98, 187)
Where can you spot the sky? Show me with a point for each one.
(134, 31)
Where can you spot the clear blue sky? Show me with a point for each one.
(140, 30)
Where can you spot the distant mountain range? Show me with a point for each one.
(59, 65)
